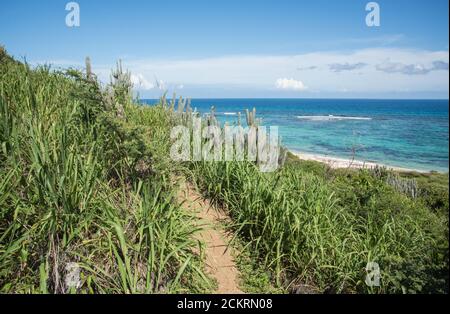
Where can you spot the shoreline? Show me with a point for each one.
(340, 163)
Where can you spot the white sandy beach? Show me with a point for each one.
(335, 162)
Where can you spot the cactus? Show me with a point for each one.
(379, 172)
(188, 114)
(172, 103)
(248, 117)
(163, 100)
(121, 81)
(188, 106)
(406, 186)
(251, 117)
(122, 87)
(88, 68)
(181, 105)
(212, 117)
(403, 185)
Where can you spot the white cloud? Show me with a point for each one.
(340, 67)
(290, 84)
(412, 69)
(229, 76)
(140, 82)
(307, 68)
(245, 72)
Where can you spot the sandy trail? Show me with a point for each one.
(220, 263)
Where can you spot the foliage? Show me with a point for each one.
(85, 180)
(80, 185)
(317, 228)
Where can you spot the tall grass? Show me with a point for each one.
(86, 180)
(83, 184)
(316, 229)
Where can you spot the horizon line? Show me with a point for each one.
(304, 98)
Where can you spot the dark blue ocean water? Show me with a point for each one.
(403, 133)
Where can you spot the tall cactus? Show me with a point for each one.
(163, 100)
(172, 102)
(88, 68)
(248, 117)
(212, 117)
(122, 87)
(181, 105)
(251, 117)
(403, 185)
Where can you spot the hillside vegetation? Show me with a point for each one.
(87, 183)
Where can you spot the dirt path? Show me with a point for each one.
(219, 259)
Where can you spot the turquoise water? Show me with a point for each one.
(403, 133)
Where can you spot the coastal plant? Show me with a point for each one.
(403, 185)
(407, 186)
(316, 230)
(83, 188)
(88, 68)
(319, 234)
(86, 184)
(121, 87)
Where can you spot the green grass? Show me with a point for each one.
(433, 189)
(86, 178)
(80, 183)
(254, 277)
(316, 229)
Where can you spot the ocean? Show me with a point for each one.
(403, 133)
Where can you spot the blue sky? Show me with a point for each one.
(313, 48)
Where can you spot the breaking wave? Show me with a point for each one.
(331, 117)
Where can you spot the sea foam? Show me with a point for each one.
(331, 117)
